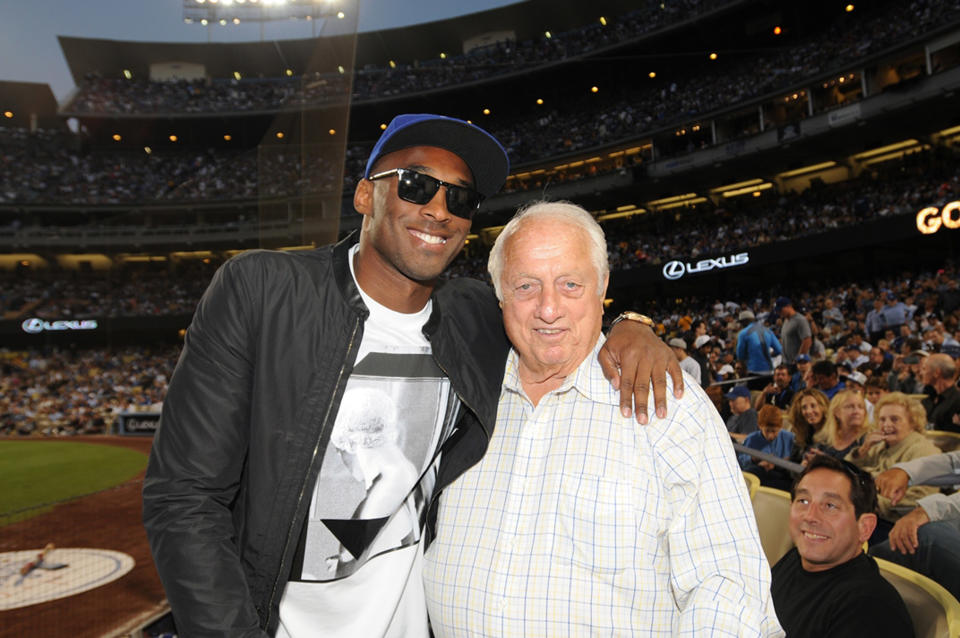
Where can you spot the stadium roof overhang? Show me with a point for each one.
(271, 58)
(26, 101)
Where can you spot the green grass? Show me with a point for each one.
(35, 473)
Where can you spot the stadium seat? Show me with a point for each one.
(753, 482)
(934, 611)
(772, 509)
(946, 441)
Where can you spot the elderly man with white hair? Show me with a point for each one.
(578, 521)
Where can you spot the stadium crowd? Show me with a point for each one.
(930, 178)
(39, 167)
(63, 392)
(58, 391)
(50, 168)
(884, 27)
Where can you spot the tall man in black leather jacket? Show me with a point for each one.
(324, 398)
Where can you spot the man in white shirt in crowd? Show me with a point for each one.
(687, 363)
(578, 521)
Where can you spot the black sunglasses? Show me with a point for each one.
(418, 188)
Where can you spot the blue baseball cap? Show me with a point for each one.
(480, 151)
(738, 391)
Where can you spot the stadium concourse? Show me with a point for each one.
(734, 152)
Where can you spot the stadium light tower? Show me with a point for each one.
(226, 12)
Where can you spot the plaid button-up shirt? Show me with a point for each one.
(579, 521)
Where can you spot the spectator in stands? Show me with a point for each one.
(240, 468)
(795, 334)
(873, 390)
(799, 380)
(756, 347)
(831, 315)
(897, 438)
(925, 539)
(826, 586)
(879, 363)
(687, 363)
(826, 379)
(857, 382)
(940, 373)
(771, 438)
(905, 373)
(807, 415)
(702, 346)
(895, 313)
(778, 392)
(845, 425)
(743, 418)
(875, 324)
(852, 357)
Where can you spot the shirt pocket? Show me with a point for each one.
(597, 523)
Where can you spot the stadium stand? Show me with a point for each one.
(821, 157)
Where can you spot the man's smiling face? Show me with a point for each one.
(823, 522)
(417, 241)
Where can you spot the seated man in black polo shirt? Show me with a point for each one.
(826, 586)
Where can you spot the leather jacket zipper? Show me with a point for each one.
(303, 489)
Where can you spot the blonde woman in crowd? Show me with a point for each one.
(897, 437)
(845, 425)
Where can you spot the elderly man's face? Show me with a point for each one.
(823, 523)
(552, 302)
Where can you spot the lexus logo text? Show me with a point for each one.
(676, 269)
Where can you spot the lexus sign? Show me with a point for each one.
(36, 326)
(676, 269)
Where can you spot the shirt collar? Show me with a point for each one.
(587, 379)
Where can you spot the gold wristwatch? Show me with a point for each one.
(633, 316)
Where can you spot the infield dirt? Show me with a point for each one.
(110, 520)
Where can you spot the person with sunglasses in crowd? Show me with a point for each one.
(255, 519)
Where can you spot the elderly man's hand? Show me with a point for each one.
(632, 358)
(903, 536)
(893, 484)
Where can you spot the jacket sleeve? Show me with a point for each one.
(195, 466)
(938, 469)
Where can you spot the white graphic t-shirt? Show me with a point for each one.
(357, 571)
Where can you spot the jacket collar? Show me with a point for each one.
(343, 278)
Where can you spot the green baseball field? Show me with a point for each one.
(38, 474)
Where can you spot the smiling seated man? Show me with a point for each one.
(578, 521)
(826, 587)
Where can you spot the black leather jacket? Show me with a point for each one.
(248, 416)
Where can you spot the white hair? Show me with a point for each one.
(563, 211)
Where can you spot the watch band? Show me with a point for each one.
(633, 316)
